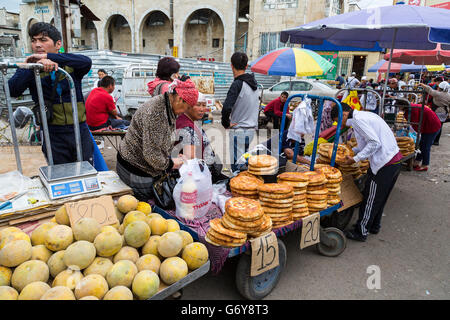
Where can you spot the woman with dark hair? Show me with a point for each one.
(145, 153)
(167, 71)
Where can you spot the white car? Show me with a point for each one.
(308, 86)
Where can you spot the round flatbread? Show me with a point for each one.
(275, 205)
(321, 206)
(317, 197)
(268, 210)
(334, 201)
(294, 184)
(217, 242)
(262, 161)
(330, 172)
(276, 196)
(276, 188)
(252, 197)
(248, 174)
(245, 183)
(276, 201)
(224, 238)
(217, 226)
(300, 197)
(253, 192)
(294, 177)
(264, 173)
(316, 178)
(245, 224)
(341, 153)
(243, 208)
(315, 188)
(318, 192)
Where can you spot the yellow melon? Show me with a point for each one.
(40, 252)
(108, 229)
(170, 244)
(137, 233)
(38, 234)
(61, 216)
(127, 203)
(151, 246)
(13, 236)
(79, 255)
(127, 253)
(186, 236)
(172, 225)
(5, 276)
(119, 214)
(154, 215)
(144, 207)
(145, 284)
(34, 291)
(108, 243)
(119, 293)
(28, 272)
(68, 278)
(148, 262)
(121, 274)
(56, 263)
(91, 285)
(133, 216)
(99, 266)
(58, 238)
(15, 253)
(172, 270)
(7, 231)
(8, 293)
(195, 255)
(86, 229)
(89, 298)
(58, 293)
(158, 226)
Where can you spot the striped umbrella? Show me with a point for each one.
(382, 67)
(291, 62)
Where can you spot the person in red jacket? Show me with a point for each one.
(274, 110)
(429, 129)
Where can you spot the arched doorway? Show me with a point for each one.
(156, 34)
(118, 34)
(30, 23)
(204, 35)
(88, 38)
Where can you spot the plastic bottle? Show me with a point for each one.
(188, 197)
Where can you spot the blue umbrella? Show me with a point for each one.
(382, 65)
(399, 26)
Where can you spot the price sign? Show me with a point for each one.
(310, 230)
(101, 209)
(264, 254)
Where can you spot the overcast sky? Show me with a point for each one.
(10, 5)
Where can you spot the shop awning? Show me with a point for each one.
(328, 46)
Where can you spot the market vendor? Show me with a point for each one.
(274, 110)
(167, 71)
(193, 141)
(430, 127)
(375, 142)
(145, 152)
(45, 43)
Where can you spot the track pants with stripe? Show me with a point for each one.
(376, 193)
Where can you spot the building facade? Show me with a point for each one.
(10, 34)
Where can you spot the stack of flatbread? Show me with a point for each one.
(262, 165)
(246, 216)
(218, 235)
(352, 143)
(400, 120)
(406, 145)
(334, 179)
(299, 182)
(323, 151)
(245, 185)
(316, 192)
(276, 200)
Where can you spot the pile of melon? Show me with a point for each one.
(85, 261)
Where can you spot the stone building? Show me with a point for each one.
(10, 34)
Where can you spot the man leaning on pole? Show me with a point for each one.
(46, 43)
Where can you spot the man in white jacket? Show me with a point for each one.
(377, 143)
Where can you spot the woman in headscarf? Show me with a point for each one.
(145, 151)
(167, 71)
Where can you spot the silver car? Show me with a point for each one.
(308, 86)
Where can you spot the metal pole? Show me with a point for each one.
(11, 119)
(44, 124)
(389, 67)
(57, 15)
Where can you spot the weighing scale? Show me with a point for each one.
(69, 179)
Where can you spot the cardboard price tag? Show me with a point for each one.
(264, 254)
(310, 230)
(101, 209)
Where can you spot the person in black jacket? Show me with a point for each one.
(241, 108)
(45, 43)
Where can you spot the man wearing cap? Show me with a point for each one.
(377, 143)
(352, 83)
(363, 82)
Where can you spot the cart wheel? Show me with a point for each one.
(338, 240)
(339, 220)
(256, 288)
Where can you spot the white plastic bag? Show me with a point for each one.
(12, 184)
(302, 121)
(197, 203)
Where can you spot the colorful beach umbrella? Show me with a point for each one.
(382, 67)
(291, 62)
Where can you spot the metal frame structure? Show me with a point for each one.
(37, 68)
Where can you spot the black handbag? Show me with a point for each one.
(162, 190)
